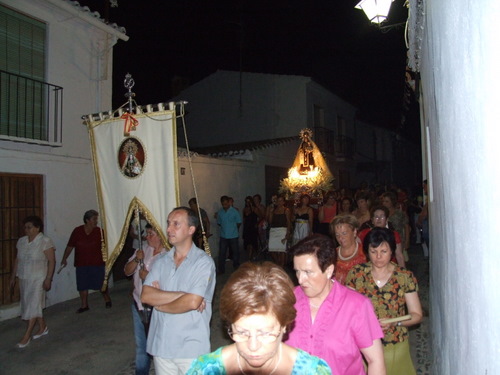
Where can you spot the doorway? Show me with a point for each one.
(21, 195)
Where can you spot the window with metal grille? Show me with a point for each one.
(25, 97)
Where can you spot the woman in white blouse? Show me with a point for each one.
(34, 266)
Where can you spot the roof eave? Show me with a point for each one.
(72, 8)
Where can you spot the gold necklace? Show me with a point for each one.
(275, 367)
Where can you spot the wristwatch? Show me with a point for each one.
(399, 324)
(137, 260)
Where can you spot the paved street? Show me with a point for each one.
(101, 341)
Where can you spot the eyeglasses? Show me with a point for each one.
(264, 337)
(379, 217)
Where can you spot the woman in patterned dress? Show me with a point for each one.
(257, 304)
(393, 291)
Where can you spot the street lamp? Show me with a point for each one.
(375, 10)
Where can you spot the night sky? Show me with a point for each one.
(327, 40)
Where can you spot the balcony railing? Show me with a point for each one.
(324, 139)
(30, 110)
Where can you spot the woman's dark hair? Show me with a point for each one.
(379, 208)
(319, 245)
(363, 195)
(378, 235)
(304, 196)
(392, 197)
(258, 288)
(350, 202)
(89, 215)
(35, 220)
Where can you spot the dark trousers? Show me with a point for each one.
(224, 245)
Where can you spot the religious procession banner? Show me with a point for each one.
(135, 166)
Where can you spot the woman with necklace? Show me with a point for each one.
(350, 252)
(393, 291)
(257, 303)
(379, 215)
(34, 266)
(333, 322)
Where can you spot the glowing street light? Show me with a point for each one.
(376, 10)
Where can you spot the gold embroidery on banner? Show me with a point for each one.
(110, 258)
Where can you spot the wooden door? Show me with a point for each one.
(21, 195)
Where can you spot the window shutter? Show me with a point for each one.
(22, 52)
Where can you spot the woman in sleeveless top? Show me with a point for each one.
(303, 219)
(250, 230)
(280, 230)
(326, 214)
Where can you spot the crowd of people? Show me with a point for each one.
(348, 313)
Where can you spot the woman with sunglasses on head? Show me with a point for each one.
(257, 304)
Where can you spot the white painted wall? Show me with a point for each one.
(215, 177)
(460, 79)
(73, 62)
(333, 106)
(264, 106)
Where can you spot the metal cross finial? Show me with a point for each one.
(129, 83)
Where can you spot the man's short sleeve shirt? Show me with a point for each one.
(185, 335)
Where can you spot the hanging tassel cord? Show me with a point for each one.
(205, 240)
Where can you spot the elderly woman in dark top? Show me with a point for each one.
(393, 291)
